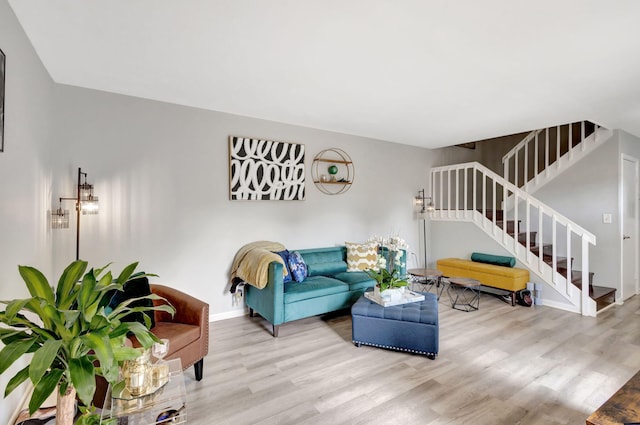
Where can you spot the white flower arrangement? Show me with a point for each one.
(384, 277)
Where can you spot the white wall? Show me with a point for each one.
(161, 173)
(25, 178)
(583, 193)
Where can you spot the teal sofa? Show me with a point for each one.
(328, 287)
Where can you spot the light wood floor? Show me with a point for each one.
(498, 365)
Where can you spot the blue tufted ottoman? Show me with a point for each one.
(409, 327)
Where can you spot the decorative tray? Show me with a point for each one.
(407, 297)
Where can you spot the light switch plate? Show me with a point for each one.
(606, 218)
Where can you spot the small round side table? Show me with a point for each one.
(464, 293)
(428, 279)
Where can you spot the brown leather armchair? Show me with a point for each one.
(187, 331)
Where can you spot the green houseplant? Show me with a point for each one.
(69, 331)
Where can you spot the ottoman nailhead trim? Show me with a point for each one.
(395, 348)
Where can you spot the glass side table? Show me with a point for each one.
(167, 405)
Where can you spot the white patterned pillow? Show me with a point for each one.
(361, 257)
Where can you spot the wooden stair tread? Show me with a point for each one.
(603, 296)
(597, 292)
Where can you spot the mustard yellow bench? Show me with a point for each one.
(511, 279)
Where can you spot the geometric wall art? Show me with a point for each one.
(265, 170)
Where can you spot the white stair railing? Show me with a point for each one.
(535, 155)
(471, 192)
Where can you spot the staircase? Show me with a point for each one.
(544, 154)
(603, 296)
(471, 192)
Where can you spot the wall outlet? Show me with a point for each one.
(606, 218)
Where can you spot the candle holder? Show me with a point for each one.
(136, 373)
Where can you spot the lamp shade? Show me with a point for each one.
(90, 205)
(60, 219)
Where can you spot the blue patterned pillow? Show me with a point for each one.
(285, 257)
(297, 266)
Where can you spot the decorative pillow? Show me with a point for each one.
(361, 256)
(285, 257)
(297, 266)
(137, 286)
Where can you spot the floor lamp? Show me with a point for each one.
(425, 207)
(86, 203)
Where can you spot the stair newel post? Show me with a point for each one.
(540, 234)
(535, 159)
(475, 189)
(570, 147)
(449, 191)
(505, 168)
(586, 301)
(546, 151)
(557, 146)
(503, 208)
(443, 195)
(527, 216)
(466, 189)
(525, 177)
(457, 193)
(554, 244)
(515, 168)
(484, 195)
(582, 135)
(493, 205)
(515, 214)
(568, 269)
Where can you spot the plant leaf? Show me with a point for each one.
(17, 379)
(99, 343)
(126, 272)
(123, 353)
(13, 352)
(43, 359)
(85, 296)
(14, 307)
(44, 388)
(144, 336)
(35, 305)
(70, 317)
(8, 335)
(65, 292)
(37, 284)
(83, 378)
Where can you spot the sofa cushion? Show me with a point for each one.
(297, 266)
(326, 269)
(285, 257)
(356, 280)
(313, 287)
(137, 286)
(180, 335)
(324, 261)
(361, 256)
(497, 260)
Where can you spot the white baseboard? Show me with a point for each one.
(228, 315)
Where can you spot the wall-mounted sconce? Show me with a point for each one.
(86, 203)
(421, 201)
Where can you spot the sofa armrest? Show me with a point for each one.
(189, 310)
(269, 301)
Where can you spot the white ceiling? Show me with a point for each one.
(423, 72)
